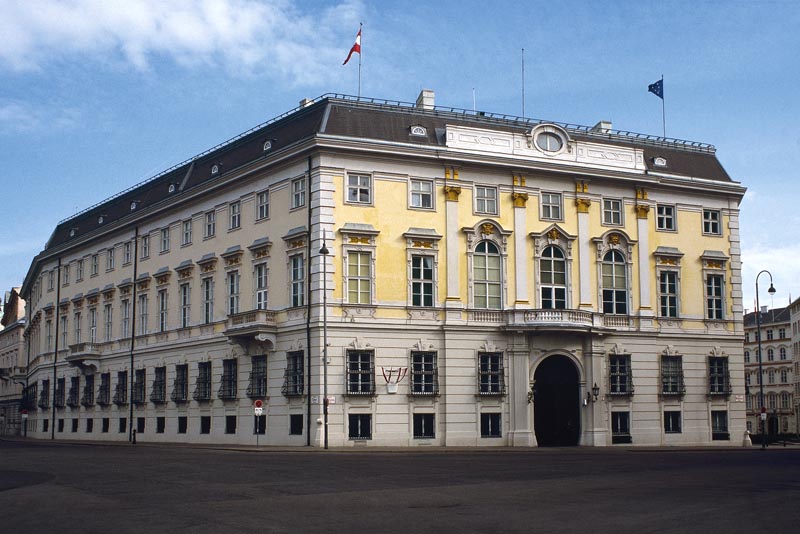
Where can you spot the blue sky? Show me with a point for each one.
(97, 95)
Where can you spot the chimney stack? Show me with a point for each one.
(425, 100)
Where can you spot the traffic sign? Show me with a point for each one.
(259, 411)
(258, 403)
(763, 409)
(763, 416)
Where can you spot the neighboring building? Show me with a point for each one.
(794, 318)
(12, 363)
(778, 375)
(490, 281)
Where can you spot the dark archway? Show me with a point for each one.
(556, 405)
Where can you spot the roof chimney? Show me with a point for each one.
(764, 309)
(306, 102)
(425, 99)
(602, 127)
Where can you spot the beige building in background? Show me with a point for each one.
(488, 280)
(12, 363)
(794, 319)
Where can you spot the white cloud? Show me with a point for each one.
(21, 117)
(781, 262)
(273, 37)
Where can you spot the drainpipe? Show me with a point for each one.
(133, 325)
(55, 348)
(308, 312)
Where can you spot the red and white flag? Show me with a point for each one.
(356, 47)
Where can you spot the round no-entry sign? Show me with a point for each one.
(258, 403)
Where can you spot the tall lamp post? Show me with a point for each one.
(763, 413)
(324, 253)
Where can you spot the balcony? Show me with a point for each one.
(254, 324)
(550, 319)
(85, 356)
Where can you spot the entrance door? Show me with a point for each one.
(556, 405)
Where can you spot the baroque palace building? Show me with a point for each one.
(480, 280)
(778, 375)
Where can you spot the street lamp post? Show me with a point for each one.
(763, 412)
(324, 253)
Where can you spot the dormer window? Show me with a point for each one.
(72, 232)
(171, 188)
(419, 131)
(215, 169)
(660, 162)
(549, 142)
(549, 139)
(101, 219)
(267, 145)
(134, 205)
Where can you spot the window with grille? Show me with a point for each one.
(620, 427)
(227, 386)
(159, 393)
(491, 377)
(87, 399)
(672, 376)
(293, 377)
(138, 395)
(620, 379)
(359, 426)
(257, 386)
(718, 376)
(73, 397)
(180, 387)
(202, 391)
(491, 425)
(360, 372)
(424, 426)
(424, 374)
(104, 392)
(121, 389)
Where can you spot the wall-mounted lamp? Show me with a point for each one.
(592, 396)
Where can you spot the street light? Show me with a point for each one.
(762, 415)
(324, 252)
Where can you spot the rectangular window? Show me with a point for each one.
(51, 280)
(73, 399)
(360, 372)
(125, 306)
(620, 379)
(262, 205)
(298, 193)
(551, 206)
(142, 315)
(719, 380)
(491, 425)
(64, 331)
(620, 427)
(296, 424)
(121, 389)
(126, 253)
(491, 377)
(105, 424)
(186, 303)
(65, 275)
(76, 320)
(110, 260)
(359, 279)
(75, 424)
(227, 384)
(205, 424)
(359, 187)
(672, 422)
(298, 280)
(668, 293)
(293, 379)
(719, 425)
(138, 394)
(164, 240)
(612, 211)
(48, 338)
(123, 425)
(79, 271)
(162, 310)
(672, 376)
(261, 286)
(158, 395)
(233, 292)
(104, 393)
(421, 194)
(161, 423)
(202, 390)
(665, 218)
(108, 322)
(180, 388)
(95, 264)
(140, 425)
(183, 423)
(422, 280)
(145, 246)
(207, 288)
(711, 222)
(257, 388)
(186, 234)
(359, 426)
(769, 333)
(92, 325)
(486, 200)
(230, 424)
(234, 215)
(424, 426)
(424, 374)
(210, 227)
(714, 285)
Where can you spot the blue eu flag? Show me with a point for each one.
(657, 89)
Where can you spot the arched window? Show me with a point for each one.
(615, 283)
(771, 401)
(770, 355)
(783, 353)
(785, 401)
(486, 277)
(771, 377)
(784, 376)
(553, 269)
(747, 356)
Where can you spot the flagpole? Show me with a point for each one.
(523, 83)
(663, 113)
(360, 27)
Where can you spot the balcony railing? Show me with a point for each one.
(292, 384)
(84, 349)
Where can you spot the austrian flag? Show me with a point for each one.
(356, 47)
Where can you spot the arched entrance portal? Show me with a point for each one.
(556, 406)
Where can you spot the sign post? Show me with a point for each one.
(258, 409)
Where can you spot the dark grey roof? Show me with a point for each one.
(773, 316)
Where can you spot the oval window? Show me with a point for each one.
(549, 142)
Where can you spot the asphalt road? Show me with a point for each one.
(58, 487)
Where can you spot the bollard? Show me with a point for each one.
(134, 436)
(747, 442)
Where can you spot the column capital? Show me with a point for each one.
(583, 204)
(451, 192)
(642, 210)
(519, 199)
